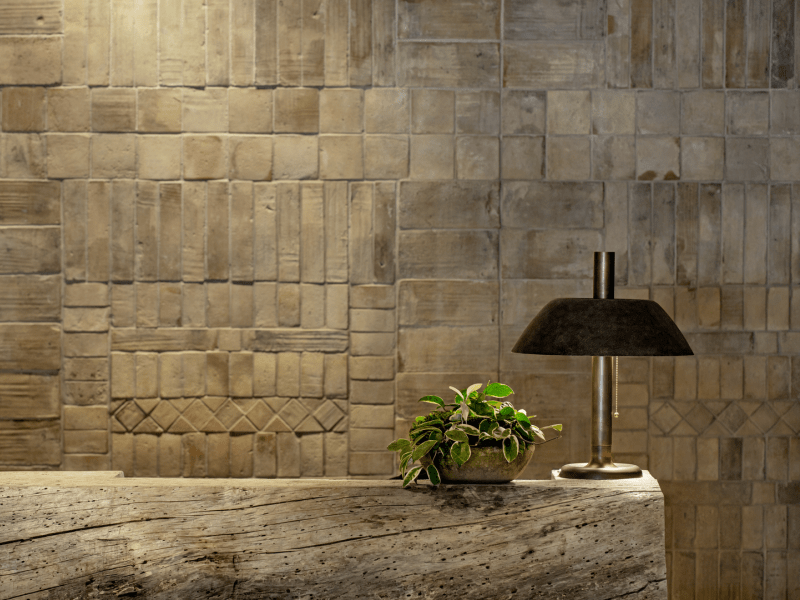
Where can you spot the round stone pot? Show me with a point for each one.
(485, 465)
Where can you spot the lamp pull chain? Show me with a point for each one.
(616, 387)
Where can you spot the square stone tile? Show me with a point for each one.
(747, 159)
(478, 157)
(296, 157)
(658, 112)
(702, 158)
(205, 110)
(204, 157)
(613, 112)
(703, 112)
(23, 109)
(341, 111)
(432, 111)
(113, 156)
(783, 159)
(386, 110)
(68, 109)
(568, 158)
(386, 156)
(523, 157)
(68, 156)
(249, 110)
(159, 110)
(657, 158)
(747, 113)
(341, 157)
(296, 110)
(613, 157)
(113, 109)
(568, 112)
(478, 112)
(785, 112)
(523, 112)
(251, 157)
(432, 157)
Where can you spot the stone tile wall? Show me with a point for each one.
(240, 238)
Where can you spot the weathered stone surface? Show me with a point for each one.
(446, 350)
(449, 205)
(30, 250)
(24, 17)
(553, 65)
(448, 254)
(30, 298)
(30, 60)
(449, 19)
(555, 20)
(534, 205)
(26, 396)
(451, 303)
(639, 502)
(292, 340)
(465, 65)
(30, 443)
(30, 347)
(548, 253)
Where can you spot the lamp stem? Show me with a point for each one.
(601, 370)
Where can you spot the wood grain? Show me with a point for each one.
(171, 538)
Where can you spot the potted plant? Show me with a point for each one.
(476, 439)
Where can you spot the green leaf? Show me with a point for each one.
(399, 445)
(457, 435)
(460, 452)
(522, 418)
(537, 432)
(470, 429)
(405, 460)
(507, 413)
(525, 434)
(459, 393)
(432, 400)
(494, 403)
(510, 447)
(419, 419)
(488, 426)
(455, 417)
(557, 427)
(420, 430)
(498, 390)
(411, 476)
(501, 433)
(433, 475)
(423, 449)
(482, 408)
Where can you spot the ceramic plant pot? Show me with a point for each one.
(485, 465)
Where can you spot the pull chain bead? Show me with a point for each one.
(616, 387)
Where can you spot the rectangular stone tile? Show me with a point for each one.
(312, 306)
(618, 44)
(371, 392)
(30, 298)
(641, 40)
(712, 61)
(732, 233)
(548, 65)
(795, 266)
(123, 204)
(30, 443)
(384, 237)
(465, 65)
(384, 43)
(687, 42)
(758, 43)
(30, 249)
(735, 45)
(534, 205)
(441, 349)
(97, 226)
(663, 233)
(242, 232)
(709, 248)
(548, 254)
(451, 303)
(30, 202)
(169, 254)
(522, 299)
(288, 232)
(75, 230)
(452, 204)
(313, 44)
(20, 17)
(721, 343)
(783, 40)
(779, 245)
(554, 20)
(372, 296)
(336, 231)
(371, 368)
(451, 254)
(294, 340)
(30, 60)
(449, 19)
(28, 396)
(336, 42)
(335, 370)
(755, 240)
(640, 228)
(664, 34)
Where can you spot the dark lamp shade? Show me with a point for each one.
(602, 327)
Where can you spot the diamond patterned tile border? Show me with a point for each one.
(130, 415)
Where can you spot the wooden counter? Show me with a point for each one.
(99, 535)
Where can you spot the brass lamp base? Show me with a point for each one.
(592, 470)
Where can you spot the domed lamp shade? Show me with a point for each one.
(602, 327)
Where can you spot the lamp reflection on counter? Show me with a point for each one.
(602, 327)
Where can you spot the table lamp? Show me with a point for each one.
(602, 327)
